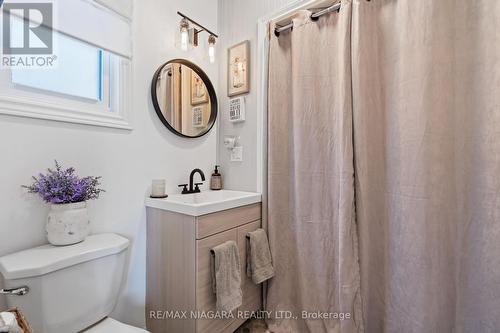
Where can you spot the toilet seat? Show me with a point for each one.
(110, 325)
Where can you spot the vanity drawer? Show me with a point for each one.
(214, 223)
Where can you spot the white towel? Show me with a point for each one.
(226, 276)
(259, 263)
(8, 323)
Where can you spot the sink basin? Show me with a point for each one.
(207, 202)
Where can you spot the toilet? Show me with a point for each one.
(71, 288)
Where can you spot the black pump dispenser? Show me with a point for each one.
(216, 180)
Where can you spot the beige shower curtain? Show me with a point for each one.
(311, 186)
(426, 92)
(426, 141)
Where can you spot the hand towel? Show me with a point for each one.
(226, 276)
(8, 323)
(259, 262)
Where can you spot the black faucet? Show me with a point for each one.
(196, 188)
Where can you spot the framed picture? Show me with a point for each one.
(238, 71)
(199, 93)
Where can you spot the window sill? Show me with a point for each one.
(49, 111)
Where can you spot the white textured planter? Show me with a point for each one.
(68, 223)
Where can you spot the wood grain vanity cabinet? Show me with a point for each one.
(178, 268)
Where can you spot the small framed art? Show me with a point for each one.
(238, 69)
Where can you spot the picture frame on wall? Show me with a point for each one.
(238, 70)
(199, 93)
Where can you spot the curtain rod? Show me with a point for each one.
(314, 16)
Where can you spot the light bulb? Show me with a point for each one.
(184, 34)
(211, 53)
(211, 48)
(184, 40)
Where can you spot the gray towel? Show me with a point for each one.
(259, 261)
(226, 276)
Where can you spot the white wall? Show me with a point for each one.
(126, 160)
(237, 22)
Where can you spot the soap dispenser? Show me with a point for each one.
(216, 180)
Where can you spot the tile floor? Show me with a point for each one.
(253, 326)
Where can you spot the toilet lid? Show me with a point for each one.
(110, 325)
(49, 258)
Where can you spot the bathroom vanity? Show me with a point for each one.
(181, 230)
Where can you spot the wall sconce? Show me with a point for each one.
(190, 35)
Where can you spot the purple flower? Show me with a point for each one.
(64, 186)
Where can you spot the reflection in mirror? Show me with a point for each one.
(185, 99)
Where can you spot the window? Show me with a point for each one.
(87, 84)
(79, 71)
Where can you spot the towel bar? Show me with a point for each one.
(212, 252)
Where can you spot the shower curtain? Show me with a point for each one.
(421, 82)
(311, 186)
(426, 96)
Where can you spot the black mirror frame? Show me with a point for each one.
(210, 89)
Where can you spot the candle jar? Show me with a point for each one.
(158, 188)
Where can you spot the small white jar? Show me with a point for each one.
(158, 188)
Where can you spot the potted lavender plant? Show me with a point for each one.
(68, 222)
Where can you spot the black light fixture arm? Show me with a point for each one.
(201, 28)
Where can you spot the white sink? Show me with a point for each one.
(206, 202)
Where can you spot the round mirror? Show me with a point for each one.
(184, 98)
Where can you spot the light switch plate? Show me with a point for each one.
(237, 154)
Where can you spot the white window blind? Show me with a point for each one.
(122, 7)
(106, 24)
(103, 23)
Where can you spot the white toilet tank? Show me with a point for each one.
(70, 287)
